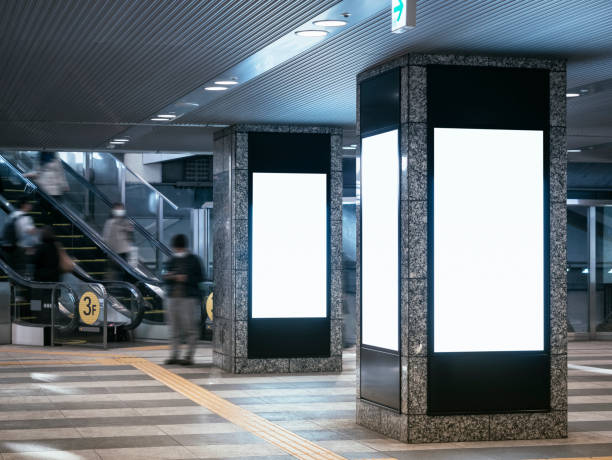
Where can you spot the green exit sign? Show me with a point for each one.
(403, 15)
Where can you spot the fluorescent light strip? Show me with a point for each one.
(574, 150)
(169, 116)
(215, 88)
(572, 95)
(226, 82)
(312, 33)
(330, 23)
(159, 119)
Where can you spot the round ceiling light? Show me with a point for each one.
(330, 23)
(226, 82)
(312, 33)
(215, 88)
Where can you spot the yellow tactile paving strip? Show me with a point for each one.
(280, 437)
(274, 434)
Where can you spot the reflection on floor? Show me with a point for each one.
(94, 404)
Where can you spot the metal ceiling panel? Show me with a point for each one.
(115, 61)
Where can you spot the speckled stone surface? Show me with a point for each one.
(336, 244)
(424, 428)
(333, 364)
(558, 165)
(261, 366)
(417, 109)
(335, 348)
(413, 260)
(240, 203)
(394, 425)
(336, 152)
(558, 382)
(241, 330)
(336, 196)
(230, 241)
(417, 317)
(558, 230)
(417, 239)
(336, 294)
(529, 426)
(241, 244)
(368, 415)
(558, 88)
(417, 385)
(447, 59)
(241, 295)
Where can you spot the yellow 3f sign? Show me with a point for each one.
(89, 308)
(403, 15)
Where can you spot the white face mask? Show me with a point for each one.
(118, 212)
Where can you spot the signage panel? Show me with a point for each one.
(489, 286)
(380, 240)
(289, 224)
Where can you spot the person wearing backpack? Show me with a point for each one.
(20, 236)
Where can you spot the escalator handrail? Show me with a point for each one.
(81, 274)
(85, 228)
(90, 187)
(18, 279)
(134, 291)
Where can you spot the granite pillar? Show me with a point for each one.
(412, 423)
(231, 254)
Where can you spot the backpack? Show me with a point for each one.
(9, 233)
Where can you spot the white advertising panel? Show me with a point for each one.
(289, 266)
(379, 240)
(488, 240)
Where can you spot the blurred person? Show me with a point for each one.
(20, 236)
(50, 175)
(183, 277)
(118, 233)
(51, 179)
(50, 258)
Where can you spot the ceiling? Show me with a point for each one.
(75, 73)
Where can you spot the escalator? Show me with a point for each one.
(53, 306)
(77, 220)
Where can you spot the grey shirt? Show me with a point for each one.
(118, 234)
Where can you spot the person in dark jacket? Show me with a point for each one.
(183, 277)
(47, 258)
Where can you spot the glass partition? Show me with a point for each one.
(577, 269)
(603, 275)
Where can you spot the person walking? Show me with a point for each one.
(183, 277)
(50, 258)
(20, 236)
(51, 179)
(118, 233)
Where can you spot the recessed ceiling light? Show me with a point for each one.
(121, 140)
(349, 147)
(169, 116)
(354, 145)
(311, 33)
(117, 142)
(585, 271)
(330, 23)
(159, 119)
(574, 150)
(226, 82)
(215, 88)
(572, 95)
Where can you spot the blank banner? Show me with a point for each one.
(289, 224)
(379, 240)
(488, 240)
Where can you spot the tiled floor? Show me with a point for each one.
(85, 405)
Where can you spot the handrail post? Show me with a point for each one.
(53, 316)
(160, 230)
(122, 182)
(105, 331)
